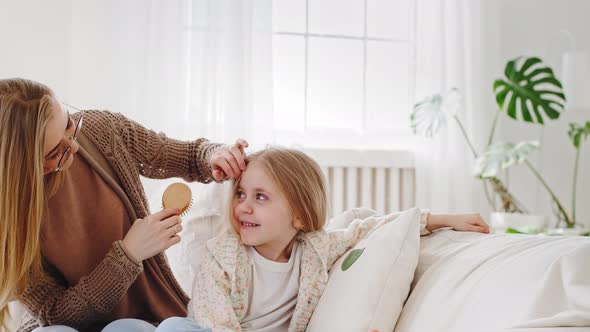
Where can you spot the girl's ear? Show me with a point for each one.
(298, 224)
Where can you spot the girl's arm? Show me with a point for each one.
(211, 304)
(364, 221)
(459, 222)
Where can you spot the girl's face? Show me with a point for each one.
(59, 128)
(264, 216)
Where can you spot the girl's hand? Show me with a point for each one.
(459, 222)
(153, 234)
(228, 161)
(469, 223)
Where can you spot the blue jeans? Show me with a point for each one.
(121, 325)
(180, 324)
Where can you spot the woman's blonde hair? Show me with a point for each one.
(25, 109)
(299, 179)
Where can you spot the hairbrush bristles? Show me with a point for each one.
(179, 196)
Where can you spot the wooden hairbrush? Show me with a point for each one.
(177, 196)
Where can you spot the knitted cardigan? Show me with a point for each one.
(120, 150)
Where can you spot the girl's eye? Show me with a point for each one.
(240, 195)
(261, 197)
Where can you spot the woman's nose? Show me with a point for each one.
(75, 146)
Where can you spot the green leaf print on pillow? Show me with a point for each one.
(351, 258)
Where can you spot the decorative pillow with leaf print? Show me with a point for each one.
(370, 283)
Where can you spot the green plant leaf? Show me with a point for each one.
(501, 156)
(525, 230)
(513, 231)
(530, 89)
(351, 258)
(577, 133)
(431, 114)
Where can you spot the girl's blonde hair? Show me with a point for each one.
(25, 109)
(299, 179)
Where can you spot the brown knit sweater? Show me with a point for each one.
(89, 292)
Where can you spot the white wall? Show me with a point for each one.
(125, 56)
(34, 39)
(38, 43)
(532, 27)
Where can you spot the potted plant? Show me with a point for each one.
(529, 92)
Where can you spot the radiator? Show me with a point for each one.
(380, 180)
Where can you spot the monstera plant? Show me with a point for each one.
(529, 92)
(578, 134)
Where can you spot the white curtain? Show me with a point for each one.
(231, 69)
(197, 68)
(454, 41)
(129, 57)
(189, 68)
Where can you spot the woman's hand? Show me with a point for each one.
(228, 161)
(460, 222)
(153, 234)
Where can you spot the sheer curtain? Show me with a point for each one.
(456, 47)
(231, 69)
(188, 68)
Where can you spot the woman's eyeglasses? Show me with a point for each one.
(68, 150)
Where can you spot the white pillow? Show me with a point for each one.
(16, 312)
(203, 221)
(371, 292)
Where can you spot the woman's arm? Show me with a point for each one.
(52, 303)
(152, 154)
(159, 156)
(460, 222)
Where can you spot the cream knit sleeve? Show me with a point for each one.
(212, 304)
(53, 303)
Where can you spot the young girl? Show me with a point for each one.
(268, 271)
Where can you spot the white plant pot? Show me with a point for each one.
(577, 230)
(526, 223)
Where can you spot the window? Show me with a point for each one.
(343, 68)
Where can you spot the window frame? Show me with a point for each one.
(348, 136)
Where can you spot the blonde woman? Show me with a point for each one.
(79, 247)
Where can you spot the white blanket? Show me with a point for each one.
(475, 282)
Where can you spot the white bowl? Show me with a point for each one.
(527, 223)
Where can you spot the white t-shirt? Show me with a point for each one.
(273, 292)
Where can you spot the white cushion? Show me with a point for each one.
(185, 257)
(475, 282)
(16, 312)
(203, 221)
(371, 292)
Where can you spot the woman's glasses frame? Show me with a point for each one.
(68, 150)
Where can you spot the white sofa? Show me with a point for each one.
(464, 282)
(502, 282)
